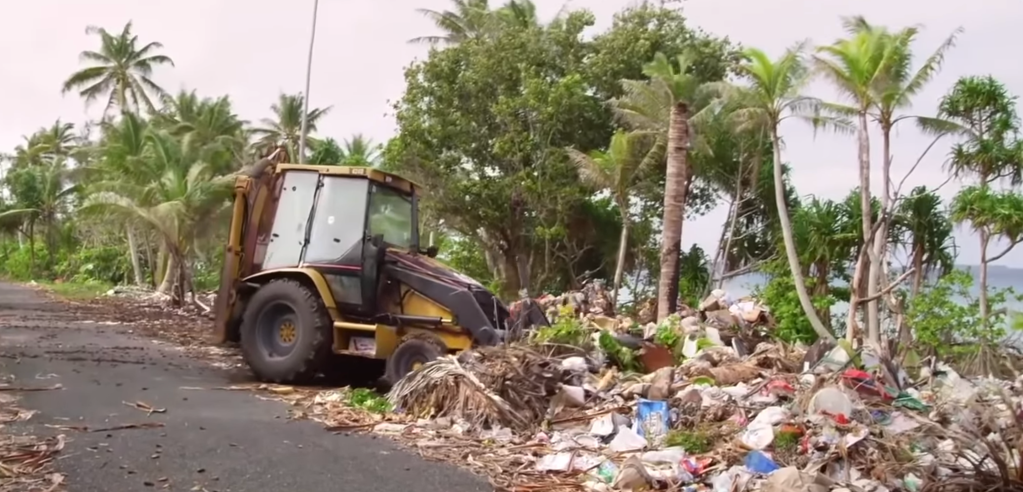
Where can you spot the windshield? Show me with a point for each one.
(390, 214)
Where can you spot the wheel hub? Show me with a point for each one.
(287, 333)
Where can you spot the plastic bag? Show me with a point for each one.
(653, 420)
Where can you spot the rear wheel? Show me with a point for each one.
(286, 333)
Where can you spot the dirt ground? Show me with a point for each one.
(109, 353)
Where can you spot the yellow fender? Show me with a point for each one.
(305, 275)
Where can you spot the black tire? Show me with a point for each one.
(410, 353)
(265, 345)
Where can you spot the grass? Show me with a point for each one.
(694, 442)
(76, 291)
(786, 441)
(368, 400)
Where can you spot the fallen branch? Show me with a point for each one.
(145, 407)
(85, 428)
(29, 388)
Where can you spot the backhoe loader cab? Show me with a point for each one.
(326, 260)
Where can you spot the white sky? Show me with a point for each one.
(253, 50)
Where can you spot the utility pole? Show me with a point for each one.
(308, 79)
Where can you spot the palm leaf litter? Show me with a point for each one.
(495, 387)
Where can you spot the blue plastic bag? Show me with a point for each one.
(652, 417)
(760, 463)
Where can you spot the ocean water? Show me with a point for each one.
(999, 277)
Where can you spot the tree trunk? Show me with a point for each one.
(133, 250)
(918, 265)
(879, 258)
(150, 261)
(674, 210)
(906, 331)
(32, 249)
(510, 272)
(522, 269)
(790, 243)
(169, 275)
(122, 98)
(855, 295)
(715, 277)
(51, 242)
(733, 216)
(623, 246)
(873, 272)
(984, 307)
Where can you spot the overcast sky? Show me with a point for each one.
(255, 49)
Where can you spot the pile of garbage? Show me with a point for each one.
(693, 409)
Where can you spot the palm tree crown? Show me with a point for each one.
(121, 72)
(286, 126)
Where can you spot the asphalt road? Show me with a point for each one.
(212, 440)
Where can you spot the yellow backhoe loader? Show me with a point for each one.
(325, 260)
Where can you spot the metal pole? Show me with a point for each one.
(308, 79)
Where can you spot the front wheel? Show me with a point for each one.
(410, 355)
(286, 332)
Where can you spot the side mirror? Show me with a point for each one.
(377, 241)
(432, 251)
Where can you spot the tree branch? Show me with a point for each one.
(892, 286)
(740, 271)
(915, 165)
(1003, 253)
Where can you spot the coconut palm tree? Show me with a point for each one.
(207, 126)
(285, 127)
(121, 158)
(665, 106)
(886, 82)
(360, 151)
(468, 20)
(617, 170)
(327, 151)
(182, 197)
(859, 67)
(58, 139)
(773, 96)
(121, 72)
(735, 163)
(519, 13)
(42, 194)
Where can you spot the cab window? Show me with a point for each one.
(390, 214)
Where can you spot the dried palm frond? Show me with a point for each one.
(989, 452)
(508, 386)
(26, 461)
